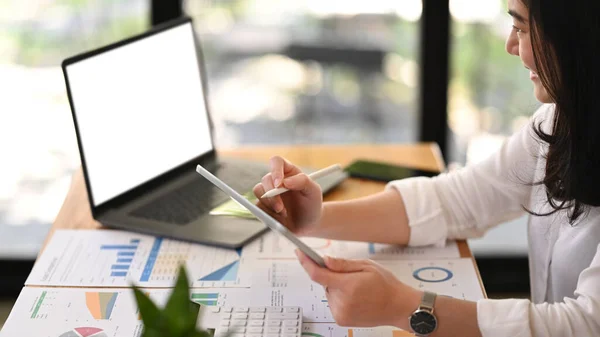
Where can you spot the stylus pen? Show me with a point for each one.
(315, 175)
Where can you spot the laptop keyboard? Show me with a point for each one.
(185, 204)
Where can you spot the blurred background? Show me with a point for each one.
(310, 71)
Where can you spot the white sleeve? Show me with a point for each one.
(571, 318)
(465, 203)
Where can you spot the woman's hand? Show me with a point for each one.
(361, 293)
(300, 208)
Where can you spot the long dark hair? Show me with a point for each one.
(565, 36)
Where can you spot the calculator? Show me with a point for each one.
(256, 321)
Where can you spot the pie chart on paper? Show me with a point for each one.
(85, 332)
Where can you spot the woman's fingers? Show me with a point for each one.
(275, 202)
(323, 276)
(280, 168)
(343, 265)
(258, 190)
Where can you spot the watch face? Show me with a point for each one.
(422, 322)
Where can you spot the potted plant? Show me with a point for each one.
(177, 318)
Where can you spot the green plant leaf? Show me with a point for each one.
(180, 315)
(197, 333)
(152, 333)
(194, 310)
(148, 310)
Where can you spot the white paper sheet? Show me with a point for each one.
(101, 258)
(332, 330)
(77, 312)
(101, 312)
(285, 283)
(271, 245)
(451, 277)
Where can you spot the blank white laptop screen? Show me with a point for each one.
(140, 110)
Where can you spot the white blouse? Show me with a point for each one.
(564, 260)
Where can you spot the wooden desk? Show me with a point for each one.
(75, 212)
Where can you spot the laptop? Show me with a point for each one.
(142, 122)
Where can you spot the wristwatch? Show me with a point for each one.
(422, 321)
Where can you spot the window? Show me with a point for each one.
(39, 150)
(309, 71)
(490, 97)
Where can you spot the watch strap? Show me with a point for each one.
(428, 301)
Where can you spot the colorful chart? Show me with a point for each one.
(432, 274)
(84, 332)
(125, 254)
(227, 273)
(210, 299)
(376, 332)
(99, 304)
(312, 334)
(38, 305)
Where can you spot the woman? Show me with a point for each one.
(551, 169)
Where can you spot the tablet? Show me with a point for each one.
(263, 216)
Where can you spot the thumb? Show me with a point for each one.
(343, 265)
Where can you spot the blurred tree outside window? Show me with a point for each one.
(310, 71)
(490, 94)
(38, 146)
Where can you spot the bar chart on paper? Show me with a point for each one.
(118, 259)
(123, 257)
(207, 299)
(77, 312)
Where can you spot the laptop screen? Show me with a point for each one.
(140, 110)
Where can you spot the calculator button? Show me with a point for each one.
(259, 321)
(283, 316)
